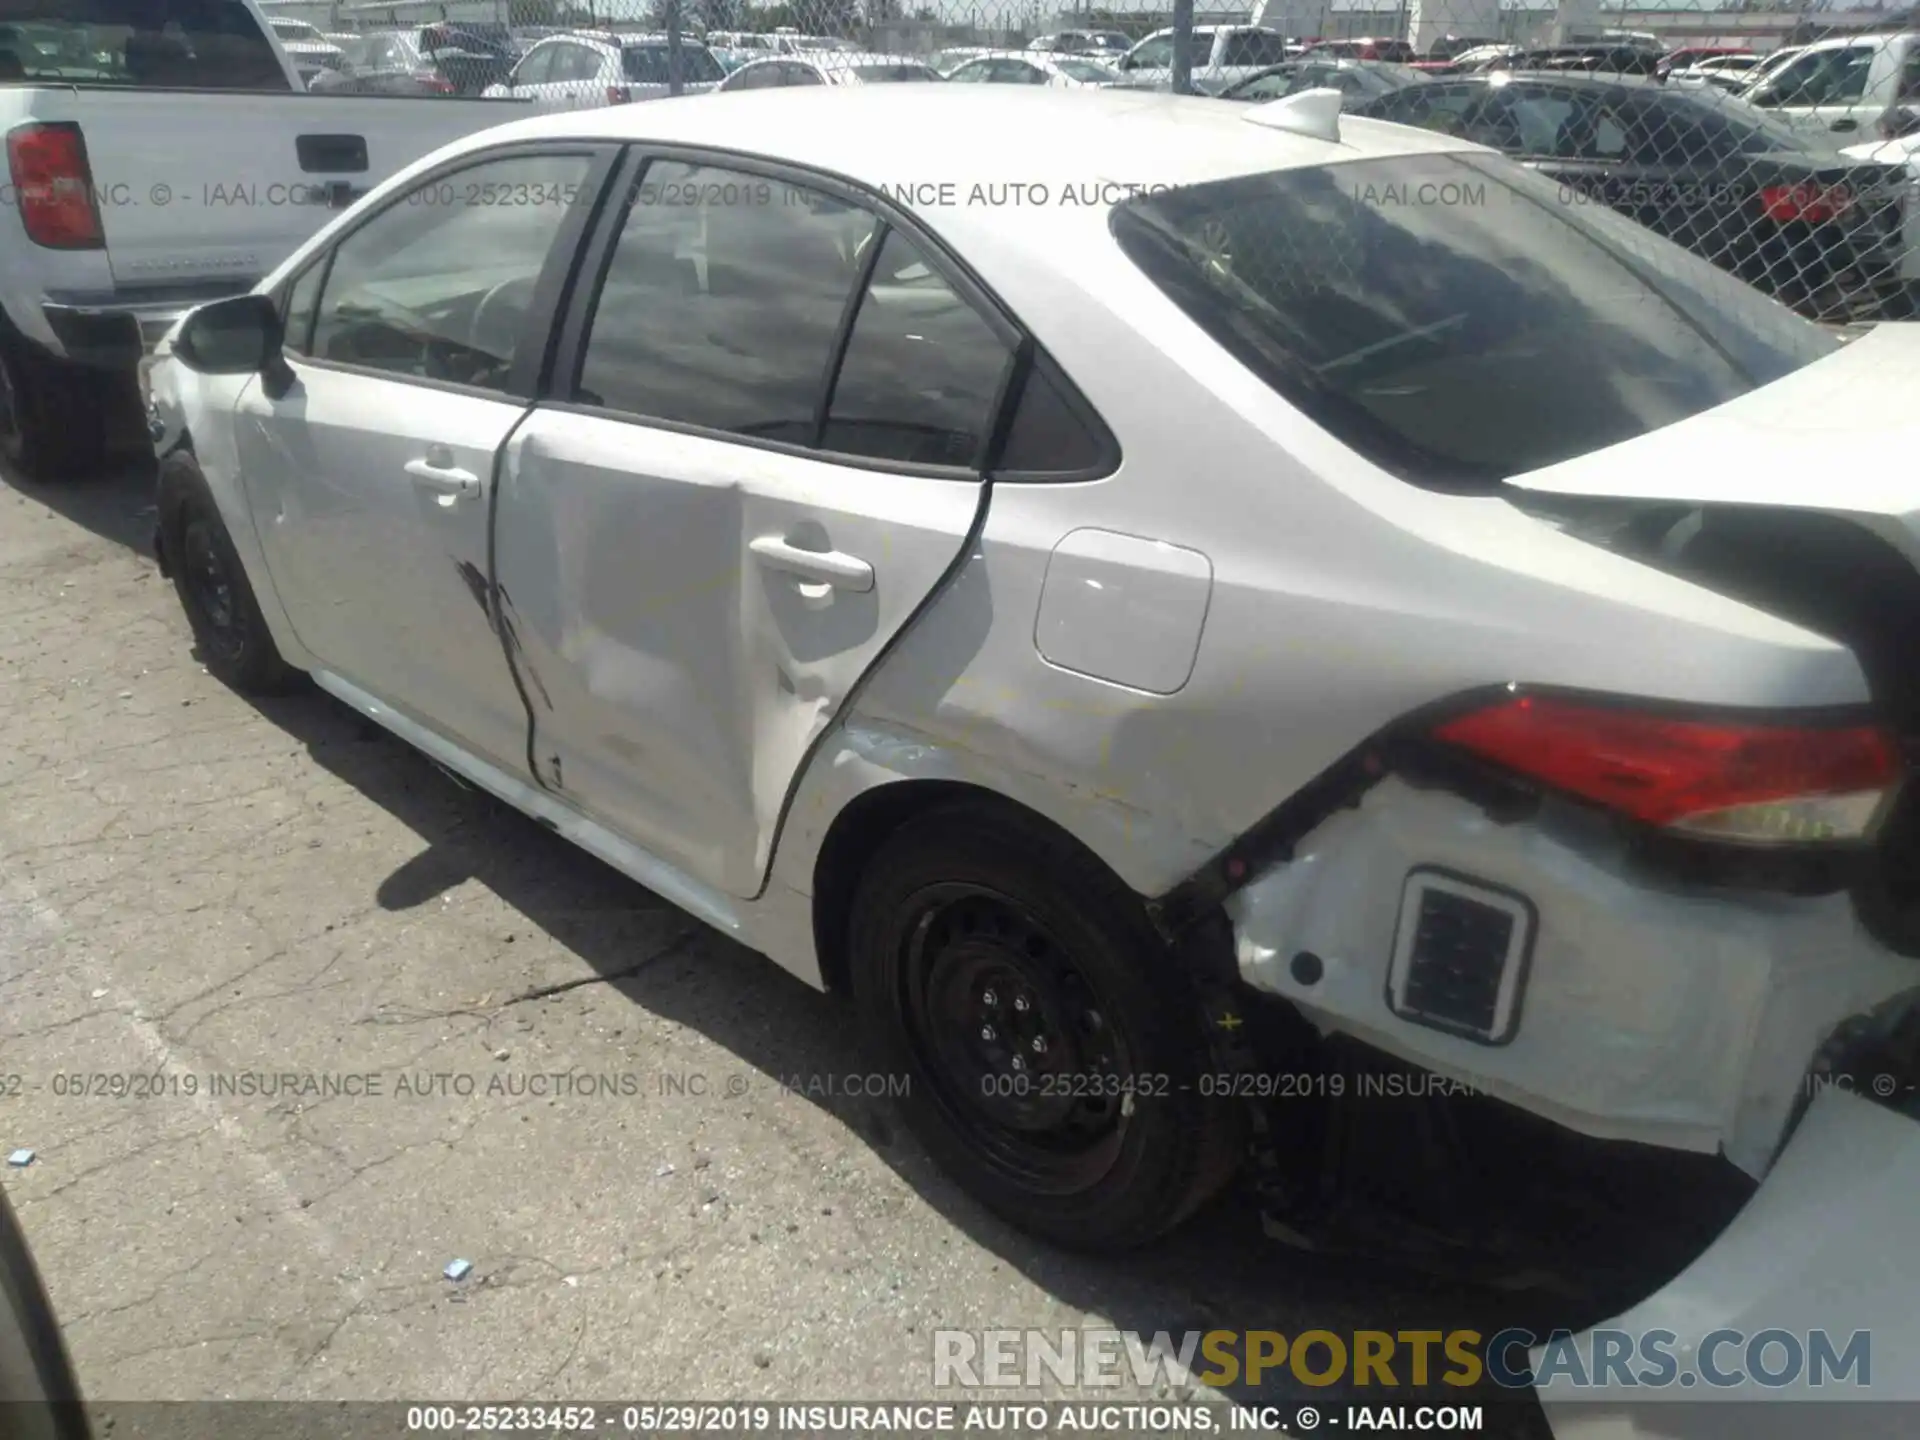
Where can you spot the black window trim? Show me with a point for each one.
(532, 357)
(562, 375)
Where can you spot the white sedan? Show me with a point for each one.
(1014, 67)
(585, 70)
(1282, 603)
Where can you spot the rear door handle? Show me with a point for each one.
(1844, 125)
(827, 567)
(445, 480)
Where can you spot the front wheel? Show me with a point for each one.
(228, 628)
(1051, 1050)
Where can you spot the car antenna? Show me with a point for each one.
(1305, 112)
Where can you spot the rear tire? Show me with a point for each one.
(228, 628)
(49, 430)
(1051, 1048)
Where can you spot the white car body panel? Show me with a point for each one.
(1826, 1245)
(1685, 1021)
(695, 634)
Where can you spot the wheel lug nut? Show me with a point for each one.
(989, 998)
(986, 1032)
(1039, 1044)
(1020, 1004)
(1018, 1063)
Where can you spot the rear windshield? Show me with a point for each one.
(873, 74)
(1447, 317)
(193, 44)
(647, 65)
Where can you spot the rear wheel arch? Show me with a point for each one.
(860, 831)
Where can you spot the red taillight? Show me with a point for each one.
(1813, 204)
(53, 185)
(619, 95)
(1755, 782)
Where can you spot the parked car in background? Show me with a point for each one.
(1688, 56)
(1816, 230)
(1027, 67)
(828, 67)
(1589, 59)
(311, 52)
(1218, 56)
(154, 168)
(1367, 48)
(583, 69)
(1356, 79)
(1433, 672)
(1451, 47)
(1772, 61)
(394, 63)
(1106, 45)
(1728, 82)
(1846, 89)
(948, 60)
(1482, 57)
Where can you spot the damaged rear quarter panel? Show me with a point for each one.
(1679, 1018)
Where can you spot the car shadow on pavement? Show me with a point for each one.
(1217, 1272)
(115, 502)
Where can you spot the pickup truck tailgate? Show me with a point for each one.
(197, 187)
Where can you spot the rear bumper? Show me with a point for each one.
(114, 331)
(1667, 1015)
(1823, 1261)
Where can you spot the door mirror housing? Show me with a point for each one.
(230, 337)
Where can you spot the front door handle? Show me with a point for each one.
(826, 567)
(445, 480)
(1844, 125)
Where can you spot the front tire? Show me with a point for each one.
(1051, 1048)
(228, 628)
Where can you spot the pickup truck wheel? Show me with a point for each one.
(1049, 1050)
(228, 629)
(45, 432)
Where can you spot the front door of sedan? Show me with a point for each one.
(709, 533)
(370, 477)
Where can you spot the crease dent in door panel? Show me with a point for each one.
(499, 605)
(963, 554)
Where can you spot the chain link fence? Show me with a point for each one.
(1782, 144)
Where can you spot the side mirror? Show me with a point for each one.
(37, 1388)
(237, 336)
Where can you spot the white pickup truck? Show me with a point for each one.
(159, 153)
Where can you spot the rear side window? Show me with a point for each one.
(199, 45)
(1448, 318)
(922, 369)
(722, 302)
(879, 74)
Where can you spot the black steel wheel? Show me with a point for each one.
(1049, 1045)
(211, 583)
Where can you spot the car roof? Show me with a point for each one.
(888, 135)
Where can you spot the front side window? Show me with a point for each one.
(922, 369)
(886, 74)
(1447, 317)
(1154, 53)
(1087, 71)
(303, 299)
(1819, 77)
(649, 65)
(537, 68)
(974, 72)
(722, 301)
(438, 285)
